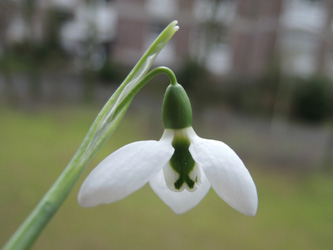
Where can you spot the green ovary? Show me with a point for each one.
(182, 162)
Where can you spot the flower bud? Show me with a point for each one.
(176, 109)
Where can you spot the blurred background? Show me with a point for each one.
(259, 74)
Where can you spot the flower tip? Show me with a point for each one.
(179, 210)
(175, 24)
(87, 200)
(252, 212)
(83, 202)
(252, 209)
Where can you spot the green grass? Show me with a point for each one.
(295, 210)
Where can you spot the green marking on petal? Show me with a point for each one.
(182, 162)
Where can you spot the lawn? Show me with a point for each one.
(295, 210)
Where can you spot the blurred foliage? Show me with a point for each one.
(197, 81)
(192, 75)
(108, 73)
(54, 21)
(308, 99)
(111, 72)
(313, 99)
(29, 60)
(29, 54)
(252, 95)
(26, 56)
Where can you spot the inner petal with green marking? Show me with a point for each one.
(186, 174)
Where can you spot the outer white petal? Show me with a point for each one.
(226, 173)
(171, 177)
(179, 202)
(124, 171)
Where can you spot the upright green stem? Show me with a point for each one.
(53, 199)
(37, 220)
(102, 128)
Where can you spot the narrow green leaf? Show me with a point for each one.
(104, 125)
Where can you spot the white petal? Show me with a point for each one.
(170, 176)
(124, 171)
(168, 136)
(195, 175)
(179, 202)
(226, 173)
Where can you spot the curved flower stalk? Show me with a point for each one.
(180, 167)
(102, 128)
(116, 107)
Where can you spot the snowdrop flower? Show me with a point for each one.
(180, 167)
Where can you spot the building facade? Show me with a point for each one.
(229, 37)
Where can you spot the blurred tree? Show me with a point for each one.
(324, 49)
(254, 35)
(28, 9)
(213, 30)
(7, 9)
(328, 154)
(324, 45)
(53, 22)
(192, 74)
(312, 100)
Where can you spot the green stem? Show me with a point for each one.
(102, 128)
(123, 104)
(145, 80)
(44, 211)
(34, 224)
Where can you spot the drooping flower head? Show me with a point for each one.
(180, 167)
